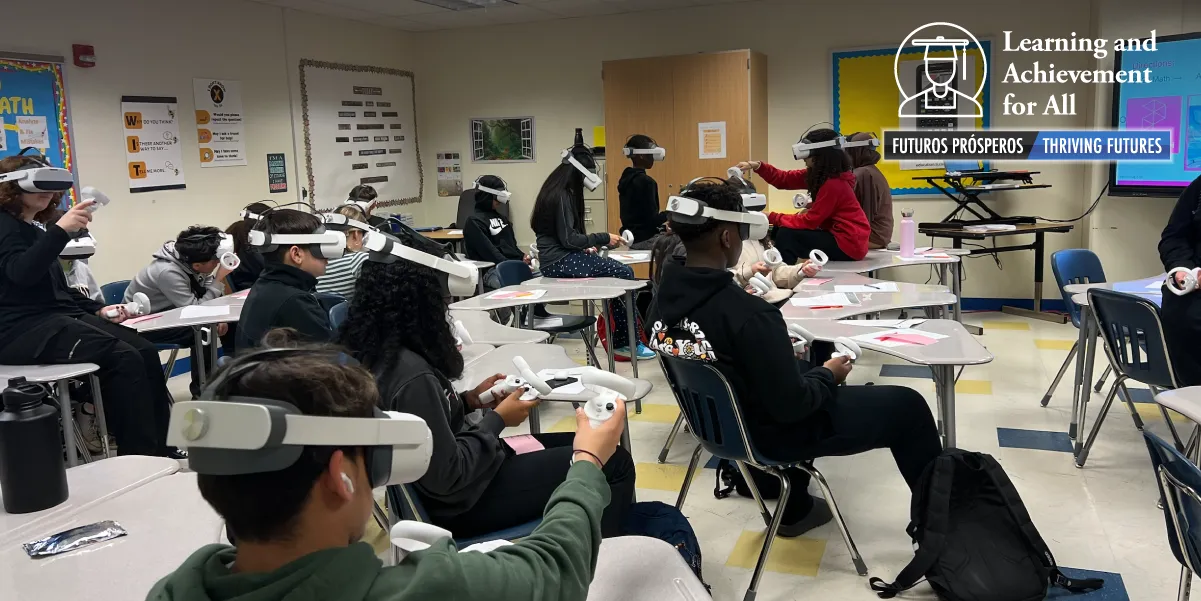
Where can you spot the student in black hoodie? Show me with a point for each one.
(284, 296)
(700, 313)
(1180, 246)
(487, 235)
(638, 192)
(45, 321)
(398, 328)
(251, 262)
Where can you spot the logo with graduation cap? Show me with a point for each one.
(944, 68)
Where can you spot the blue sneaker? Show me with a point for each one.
(644, 353)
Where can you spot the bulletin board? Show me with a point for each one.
(34, 112)
(866, 99)
(360, 128)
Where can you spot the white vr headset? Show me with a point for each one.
(803, 150)
(252, 435)
(40, 179)
(322, 243)
(341, 223)
(463, 277)
(79, 248)
(591, 180)
(658, 153)
(751, 225)
(366, 205)
(502, 195)
(751, 199)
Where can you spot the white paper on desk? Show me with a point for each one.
(881, 287)
(454, 232)
(834, 299)
(884, 323)
(203, 311)
(573, 388)
(924, 256)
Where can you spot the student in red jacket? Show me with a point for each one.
(834, 222)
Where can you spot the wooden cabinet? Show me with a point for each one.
(667, 98)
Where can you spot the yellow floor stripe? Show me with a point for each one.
(663, 476)
(567, 424)
(654, 412)
(801, 556)
(1054, 345)
(1148, 411)
(973, 387)
(1005, 325)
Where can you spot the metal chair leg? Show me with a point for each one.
(1092, 435)
(1186, 584)
(170, 367)
(692, 463)
(98, 403)
(1125, 394)
(750, 483)
(857, 559)
(1101, 382)
(770, 535)
(1062, 369)
(671, 438)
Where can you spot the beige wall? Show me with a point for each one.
(552, 71)
(1124, 232)
(147, 47)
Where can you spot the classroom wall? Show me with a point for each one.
(1124, 231)
(155, 48)
(552, 71)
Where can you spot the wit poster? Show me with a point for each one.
(359, 129)
(450, 174)
(155, 160)
(220, 125)
(712, 139)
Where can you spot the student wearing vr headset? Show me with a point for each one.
(250, 262)
(296, 249)
(185, 271)
(488, 235)
(565, 250)
(638, 192)
(834, 222)
(299, 523)
(342, 273)
(398, 326)
(43, 320)
(753, 259)
(791, 411)
(365, 197)
(872, 189)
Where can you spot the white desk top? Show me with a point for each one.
(236, 298)
(166, 520)
(619, 283)
(553, 294)
(868, 303)
(45, 373)
(478, 264)
(958, 348)
(1185, 401)
(472, 352)
(881, 259)
(88, 484)
(631, 257)
(485, 331)
(171, 319)
(1126, 286)
(540, 357)
(639, 567)
(855, 279)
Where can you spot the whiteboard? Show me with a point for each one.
(360, 127)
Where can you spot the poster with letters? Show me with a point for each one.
(359, 129)
(34, 113)
(220, 124)
(154, 158)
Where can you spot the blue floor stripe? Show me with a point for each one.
(1114, 589)
(905, 371)
(1038, 440)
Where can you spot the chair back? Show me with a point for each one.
(404, 500)
(114, 292)
(1179, 482)
(1133, 336)
(709, 406)
(337, 314)
(1075, 266)
(329, 300)
(512, 273)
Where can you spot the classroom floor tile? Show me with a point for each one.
(1038, 440)
(973, 387)
(801, 556)
(1148, 411)
(654, 412)
(661, 476)
(1047, 344)
(1006, 325)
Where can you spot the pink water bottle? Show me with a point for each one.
(908, 233)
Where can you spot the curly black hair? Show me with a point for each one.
(828, 162)
(400, 306)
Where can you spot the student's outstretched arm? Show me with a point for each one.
(782, 179)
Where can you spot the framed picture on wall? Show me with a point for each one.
(502, 140)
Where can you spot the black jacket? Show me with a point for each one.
(639, 197)
(465, 457)
(283, 297)
(702, 314)
(32, 283)
(247, 272)
(569, 236)
(488, 236)
(1180, 243)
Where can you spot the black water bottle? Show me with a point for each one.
(33, 475)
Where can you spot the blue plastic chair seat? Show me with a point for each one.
(1075, 266)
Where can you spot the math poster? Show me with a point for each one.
(220, 124)
(33, 112)
(155, 160)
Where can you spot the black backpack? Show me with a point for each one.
(729, 480)
(666, 523)
(974, 538)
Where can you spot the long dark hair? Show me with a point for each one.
(400, 306)
(828, 162)
(564, 184)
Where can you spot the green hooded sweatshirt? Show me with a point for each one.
(554, 563)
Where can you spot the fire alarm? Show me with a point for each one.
(85, 56)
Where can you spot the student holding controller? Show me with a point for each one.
(45, 321)
(1180, 247)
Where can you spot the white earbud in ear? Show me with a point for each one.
(349, 485)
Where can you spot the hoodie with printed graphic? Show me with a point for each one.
(488, 236)
(701, 314)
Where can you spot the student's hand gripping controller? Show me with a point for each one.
(801, 200)
(627, 238)
(98, 198)
(607, 387)
(1191, 278)
(534, 256)
(819, 257)
(230, 261)
(772, 258)
(760, 284)
(846, 348)
(802, 338)
(140, 305)
(501, 390)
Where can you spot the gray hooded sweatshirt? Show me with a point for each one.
(169, 282)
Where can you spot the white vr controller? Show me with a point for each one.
(802, 338)
(230, 261)
(462, 336)
(801, 200)
(607, 387)
(760, 284)
(819, 257)
(534, 256)
(504, 388)
(140, 305)
(90, 193)
(1191, 278)
(772, 258)
(627, 237)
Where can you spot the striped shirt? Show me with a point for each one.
(340, 275)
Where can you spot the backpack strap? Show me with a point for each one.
(934, 531)
(1013, 501)
(723, 477)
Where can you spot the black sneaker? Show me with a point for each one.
(819, 515)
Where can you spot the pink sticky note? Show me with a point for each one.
(917, 339)
(523, 443)
(816, 281)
